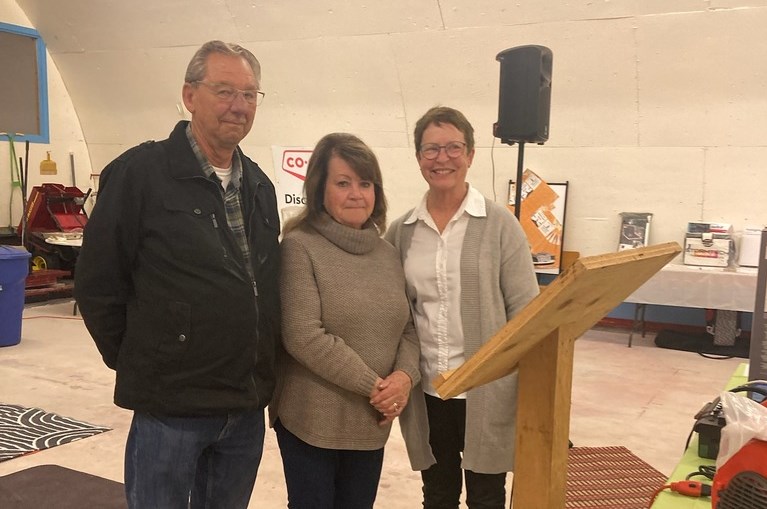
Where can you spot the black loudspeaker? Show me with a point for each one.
(525, 96)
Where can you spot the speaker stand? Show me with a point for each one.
(518, 182)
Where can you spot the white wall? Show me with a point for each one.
(657, 106)
(66, 137)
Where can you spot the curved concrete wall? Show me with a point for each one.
(657, 106)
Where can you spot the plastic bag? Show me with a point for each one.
(745, 419)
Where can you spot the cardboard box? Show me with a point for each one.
(708, 244)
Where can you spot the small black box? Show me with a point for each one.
(709, 426)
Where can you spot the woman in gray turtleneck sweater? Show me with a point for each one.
(350, 350)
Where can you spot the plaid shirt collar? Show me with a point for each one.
(207, 168)
(231, 196)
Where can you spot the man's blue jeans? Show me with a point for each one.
(193, 462)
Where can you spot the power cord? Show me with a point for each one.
(686, 488)
(706, 471)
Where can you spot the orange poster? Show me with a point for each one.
(542, 219)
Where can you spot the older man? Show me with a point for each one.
(177, 284)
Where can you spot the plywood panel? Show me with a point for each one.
(574, 302)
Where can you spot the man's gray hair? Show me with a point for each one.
(197, 68)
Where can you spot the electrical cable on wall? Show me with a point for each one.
(15, 179)
(24, 183)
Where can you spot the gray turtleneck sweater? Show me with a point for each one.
(345, 321)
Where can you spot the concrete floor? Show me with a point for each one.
(643, 398)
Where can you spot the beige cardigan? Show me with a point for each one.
(497, 281)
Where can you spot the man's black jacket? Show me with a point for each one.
(163, 289)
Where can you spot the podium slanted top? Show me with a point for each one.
(581, 296)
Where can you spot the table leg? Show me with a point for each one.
(638, 323)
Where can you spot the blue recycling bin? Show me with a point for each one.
(14, 267)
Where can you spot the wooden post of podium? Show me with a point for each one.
(539, 342)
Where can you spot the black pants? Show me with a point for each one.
(320, 478)
(443, 481)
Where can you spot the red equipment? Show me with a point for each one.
(741, 483)
(55, 219)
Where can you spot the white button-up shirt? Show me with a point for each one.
(433, 270)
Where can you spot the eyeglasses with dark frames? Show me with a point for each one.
(227, 93)
(453, 149)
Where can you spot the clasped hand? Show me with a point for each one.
(391, 395)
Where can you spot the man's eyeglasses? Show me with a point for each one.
(453, 149)
(228, 94)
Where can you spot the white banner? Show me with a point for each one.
(290, 169)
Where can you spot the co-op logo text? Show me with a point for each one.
(294, 163)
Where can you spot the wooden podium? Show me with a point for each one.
(539, 342)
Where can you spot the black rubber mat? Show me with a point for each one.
(701, 343)
(53, 486)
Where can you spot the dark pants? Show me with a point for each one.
(443, 481)
(197, 462)
(320, 478)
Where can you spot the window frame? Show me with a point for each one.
(43, 134)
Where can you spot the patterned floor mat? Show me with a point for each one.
(24, 430)
(609, 478)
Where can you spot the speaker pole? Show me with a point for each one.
(518, 186)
